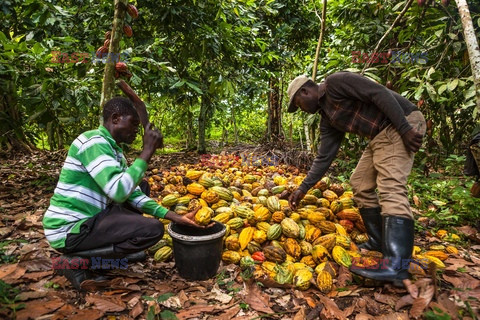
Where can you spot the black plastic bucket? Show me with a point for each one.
(197, 251)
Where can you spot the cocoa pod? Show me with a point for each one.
(101, 51)
(121, 67)
(389, 85)
(108, 35)
(106, 44)
(445, 3)
(421, 3)
(127, 30)
(132, 11)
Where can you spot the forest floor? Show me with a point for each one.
(153, 290)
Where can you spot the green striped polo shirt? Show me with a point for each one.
(95, 174)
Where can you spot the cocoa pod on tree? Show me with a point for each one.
(101, 51)
(127, 30)
(121, 67)
(132, 11)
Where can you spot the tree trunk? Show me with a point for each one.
(190, 131)
(235, 129)
(12, 135)
(274, 112)
(472, 46)
(108, 89)
(202, 123)
(308, 142)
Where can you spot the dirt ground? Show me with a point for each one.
(150, 290)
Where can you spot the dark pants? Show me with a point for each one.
(118, 224)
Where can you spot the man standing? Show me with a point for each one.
(349, 102)
(97, 206)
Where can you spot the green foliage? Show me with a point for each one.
(445, 198)
(8, 298)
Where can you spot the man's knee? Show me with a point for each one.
(155, 228)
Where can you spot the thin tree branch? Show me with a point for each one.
(399, 17)
(320, 40)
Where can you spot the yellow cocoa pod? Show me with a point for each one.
(340, 229)
(195, 188)
(292, 248)
(324, 281)
(320, 253)
(290, 228)
(308, 260)
(301, 279)
(341, 256)
(312, 233)
(230, 256)
(437, 254)
(210, 196)
(232, 243)
(194, 174)
(326, 266)
(328, 241)
(163, 254)
(204, 216)
(451, 250)
(436, 261)
(264, 226)
(259, 236)
(246, 235)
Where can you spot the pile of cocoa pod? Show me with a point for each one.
(298, 248)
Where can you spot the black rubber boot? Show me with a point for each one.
(372, 219)
(74, 268)
(108, 252)
(397, 246)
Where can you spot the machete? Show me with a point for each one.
(137, 102)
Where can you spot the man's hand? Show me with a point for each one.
(152, 140)
(295, 198)
(187, 219)
(412, 140)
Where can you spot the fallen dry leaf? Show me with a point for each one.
(195, 311)
(404, 301)
(419, 304)
(344, 277)
(256, 299)
(444, 300)
(36, 308)
(229, 314)
(385, 299)
(364, 316)
(462, 281)
(300, 315)
(330, 308)
(136, 310)
(106, 304)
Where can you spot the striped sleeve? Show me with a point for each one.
(100, 162)
(146, 204)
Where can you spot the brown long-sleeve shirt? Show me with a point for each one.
(350, 102)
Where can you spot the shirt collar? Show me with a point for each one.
(107, 135)
(321, 90)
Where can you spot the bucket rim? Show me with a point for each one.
(178, 236)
